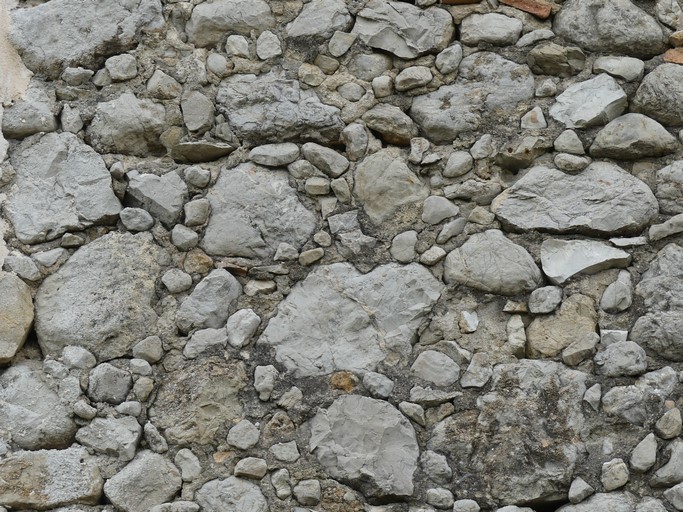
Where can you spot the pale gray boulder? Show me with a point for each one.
(493, 28)
(162, 196)
(368, 444)
(590, 103)
(551, 200)
(61, 185)
(110, 282)
(16, 315)
(117, 437)
(563, 259)
(614, 502)
(211, 21)
(660, 95)
(31, 114)
(320, 19)
(484, 263)
(233, 494)
(633, 136)
(209, 303)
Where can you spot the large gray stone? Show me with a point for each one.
(112, 436)
(669, 189)
(33, 113)
(488, 87)
(61, 185)
(128, 125)
(339, 319)
(46, 479)
(608, 502)
(590, 103)
(211, 21)
(320, 19)
(403, 29)
(563, 259)
(253, 210)
(602, 200)
(492, 263)
(272, 108)
(149, 480)
(393, 125)
(633, 136)
(60, 33)
(109, 288)
(491, 28)
(234, 494)
(30, 410)
(368, 444)
(660, 95)
(610, 26)
(16, 315)
(384, 183)
(162, 196)
(209, 303)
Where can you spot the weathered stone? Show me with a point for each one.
(399, 297)
(487, 86)
(368, 444)
(672, 472)
(550, 200)
(491, 28)
(268, 46)
(320, 19)
(614, 502)
(198, 111)
(627, 68)
(437, 208)
(672, 226)
(644, 455)
(633, 136)
(243, 221)
(412, 77)
(590, 103)
(61, 185)
(327, 160)
(232, 494)
(162, 196)
(403, 29)
(669, 425)
(16, 315)
(136, 219)
(51, 37)
(46, 479)
(110, 282)
(616, 26)
(251, 467)
(272, 108)
(211, 20)
(579, 490)
(553, 59)
(563, 259)
(383, 183)
(209, 303)
(275, 155)
(618, 296)
(548, 335)
(622, 358)
(660, 93)
(149, 480)
(107, 383)
(483, 262)
(33, 113)
(393, 125)
(545, 300)
(436, 367)
(112, 436)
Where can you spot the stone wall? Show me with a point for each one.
(341, 255)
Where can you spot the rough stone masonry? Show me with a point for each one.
(341, 255)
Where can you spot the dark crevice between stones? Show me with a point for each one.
(548, 506)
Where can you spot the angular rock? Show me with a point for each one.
(437, 209)
(633, 136)
(383, 183)
(644, 455)
(622, 358)
(210, 21)
(327, 160)
(232, 494)
(149, 480)
(33, 113)
(403, 29)
(436, 367)
(614, 502)
(545, 300)
(107, 383)
(660, 95)
(51, 37)
(128, 125)
(672, 226)
(16, 315)
(209, 303)
(61, 185)
(492, 263)
(550, 200)
(672, 472)
(320, 19)
(368, 444)
(110, 283)
(590, 103)
(112, 436)
(162, 196)
(618, 296)
(198, 111)
(46, 479)
(563, 259)
(201, 151)
(392, 124)
(350, 339)
(491, 28)
(243, 220)
(576, 320)
(627, 68)
(412, 77)
(31, 411)
(487, 86)
(614, 26)
(272, 108)
(553, 59)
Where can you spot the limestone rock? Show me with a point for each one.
(563, 259)
(614, 502)
(320, 19)
(243, 220)
(403, 29)
(53, 36)
(31, 411)
(275, 155)
(272, 108)
(487, 87)
(622, 358)
(110, 282)
(553, 59)
(660, 95)
(633, 136)
(234, 494)
(436, 367)
(211, 20)
(61, 185)
(392, 124)
(128, 125)
(484, 263)
(209, 303)
(162, 196)
(349, 338)
(16, 315)
(47, 479)
(383, 183)
(112, 436)
(618, 296)
(368, 444)
(590, 103)
(627, 68)
(610, 26)
(550, 200)
(491, 28)
(576, 320)
(149, 480)
(669, 189)
(31, 114)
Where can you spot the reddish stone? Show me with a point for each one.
(538, 8)
(675, 56)
(459, 2)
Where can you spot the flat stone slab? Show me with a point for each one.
(563, 259)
